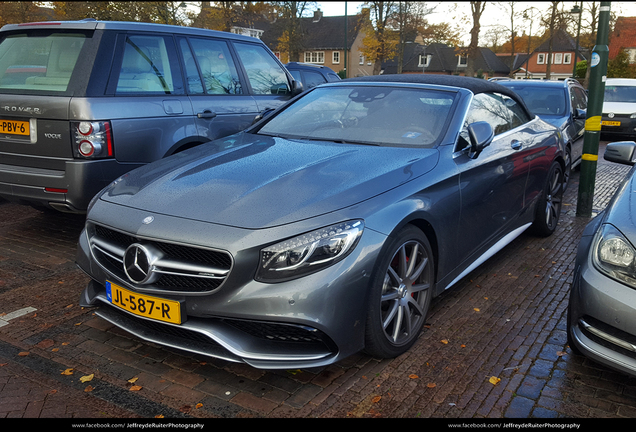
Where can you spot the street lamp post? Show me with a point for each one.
(525, 16)
(577, 10)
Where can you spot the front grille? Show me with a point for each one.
(181, 268)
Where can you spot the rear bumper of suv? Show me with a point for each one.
(69, 190)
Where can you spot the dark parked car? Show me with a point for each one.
(311, 75)
(602, 304)
(560, 103)
(328, 226)
(83, 102)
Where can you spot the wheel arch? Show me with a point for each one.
(184, 144)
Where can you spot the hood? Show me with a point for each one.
(619, 107)
(253, 181)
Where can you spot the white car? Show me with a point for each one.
(619, 107)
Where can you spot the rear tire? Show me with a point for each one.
(401, 295)
(549, 205)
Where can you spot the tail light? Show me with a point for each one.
(92, 139)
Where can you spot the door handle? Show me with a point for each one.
(206, 114)
(516, 145)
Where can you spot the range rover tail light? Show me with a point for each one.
(92, 139)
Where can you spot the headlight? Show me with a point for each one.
(308, 253)
(615, 256)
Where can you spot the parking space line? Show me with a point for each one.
(4, 320)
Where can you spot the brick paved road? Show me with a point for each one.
(505, 320)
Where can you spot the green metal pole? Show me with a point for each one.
(596, 92)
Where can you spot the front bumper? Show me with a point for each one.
(308, 322)
(620, 125)
(602, 318)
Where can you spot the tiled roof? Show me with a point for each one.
(444, 60)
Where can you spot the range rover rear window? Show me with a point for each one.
(39, 62)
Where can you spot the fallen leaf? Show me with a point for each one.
(463, 346)
(65, 343)
(3, 364)
(376, 399)
(444, 341)
(413, 376)
(53, 391)
(88, 389)
(87, 378)
(159, 416)
(431, 385)
(476, 309)
(185, 409)
(494, 380)
(24, 354)
(135, 388)
(55, 350)
(485, 298)
(68, 371)
(133, 380)
(561, 353)
(78, 324)
(199, 405)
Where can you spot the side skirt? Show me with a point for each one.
(490, 252)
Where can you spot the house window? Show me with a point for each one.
(361, 59)
(541, 58)
(335, 57)
(462, 60)
(424, 60)
(315, 57)
(557, 58)
(567, 58)
(631, 52)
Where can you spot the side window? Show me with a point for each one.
(296, 75)
(265, 75)
(490, 108)
(193, 79)
(518, 115)
(313, 79)
(579, 98)
(216, 66)
(149, 66)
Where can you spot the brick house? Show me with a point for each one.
(562, 56)
(623, 37)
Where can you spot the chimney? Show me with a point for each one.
(317, 15)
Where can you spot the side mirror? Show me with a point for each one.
(297, 88)
(580, 113)
(621, 152)
(481, 135)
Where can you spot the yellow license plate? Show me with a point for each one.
(14, 127)
(143, 305)
(610, 123)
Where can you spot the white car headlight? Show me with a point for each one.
(308, 253)
(615, 256)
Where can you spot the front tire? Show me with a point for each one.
(401, 294)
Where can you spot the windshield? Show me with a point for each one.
(542, 100)
(620, 93)
(366, 115)
(39, 62)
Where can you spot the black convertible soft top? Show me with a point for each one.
(475, 85)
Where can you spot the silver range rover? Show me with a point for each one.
(83, 102)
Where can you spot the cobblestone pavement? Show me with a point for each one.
(505, 320)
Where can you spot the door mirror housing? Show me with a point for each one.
(481, 135)
(621, 152)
